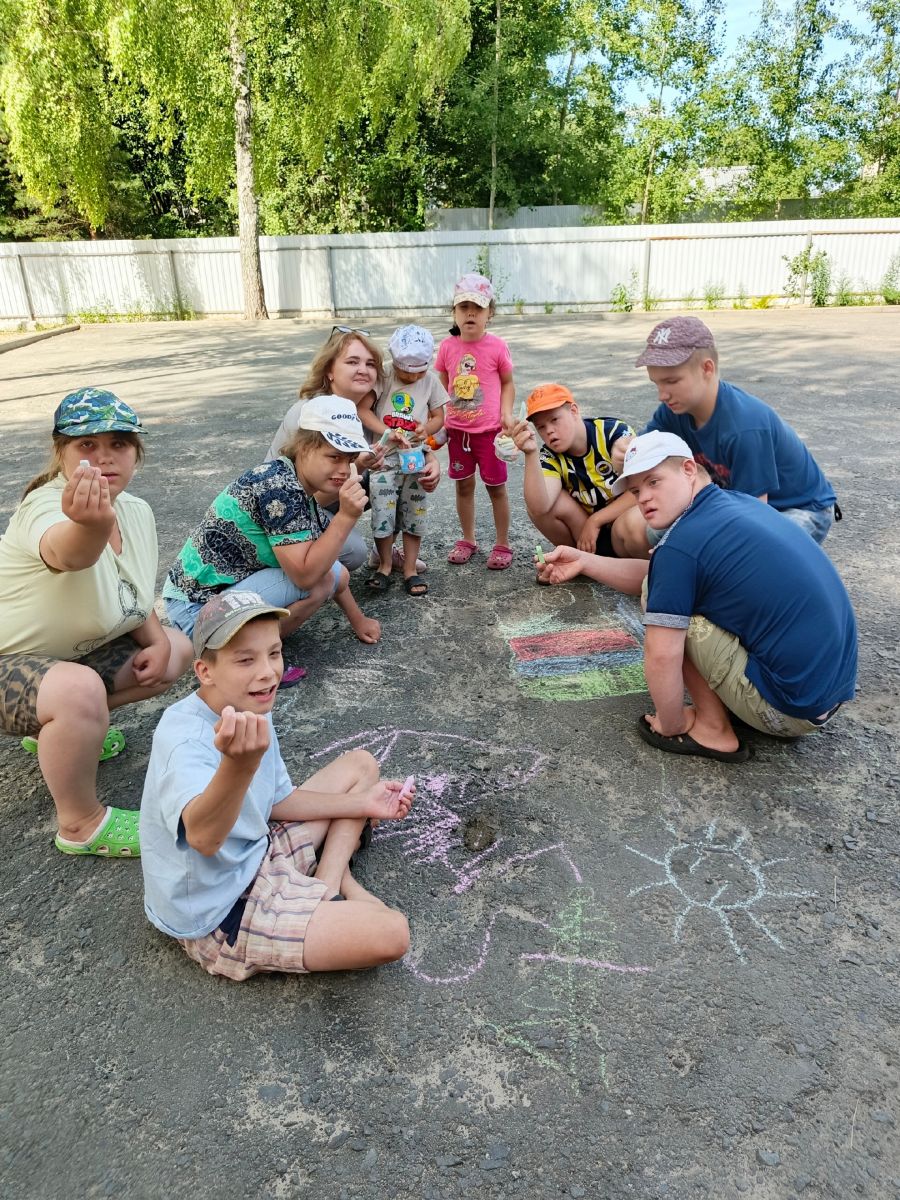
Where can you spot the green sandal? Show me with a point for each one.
(113, 744)
(117, 837)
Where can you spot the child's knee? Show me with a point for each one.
(393, 939)
(364, 765)
(466, 487)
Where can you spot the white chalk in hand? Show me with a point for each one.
(84, 463)
(354, 474)
(385, 438)
(408, 784)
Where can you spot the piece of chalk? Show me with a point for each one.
(385, 438)
(354, 474)
(540, 555)
(84, 463)
(408, 785)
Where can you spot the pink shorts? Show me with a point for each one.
(468, 449)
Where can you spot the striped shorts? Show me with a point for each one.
(276, 912)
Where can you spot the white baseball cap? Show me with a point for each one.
(411, 348)
(648, 451)
(337, 420)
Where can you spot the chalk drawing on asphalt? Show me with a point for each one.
(721, 878)
(432, 836)
(557, 1031)
(553, 659)
(432, 833)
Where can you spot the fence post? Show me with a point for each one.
(331, 292)
(25, 287)
(645, 285)
(176, 290)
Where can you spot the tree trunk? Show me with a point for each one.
(496, 121)
(248, 212)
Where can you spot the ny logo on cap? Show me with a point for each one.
(661, 337)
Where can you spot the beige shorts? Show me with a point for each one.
(722, 661)
(274, 914)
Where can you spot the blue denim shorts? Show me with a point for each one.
(816, 521)
(272, 584)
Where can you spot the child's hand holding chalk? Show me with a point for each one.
(409, 784)
(352, 497)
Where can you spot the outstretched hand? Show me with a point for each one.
(388, 801)
(561, 565)
(86, 502)
(242, 737)
(522, 433)
(617, 453)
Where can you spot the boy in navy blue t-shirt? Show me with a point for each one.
(742, 442)
(743, 610)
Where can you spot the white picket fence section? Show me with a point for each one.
(385, 273)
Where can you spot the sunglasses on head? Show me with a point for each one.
(347, 329)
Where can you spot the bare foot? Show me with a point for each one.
(367, 629)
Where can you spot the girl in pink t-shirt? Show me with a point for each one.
(476, 369)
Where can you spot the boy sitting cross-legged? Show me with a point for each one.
(230, 846)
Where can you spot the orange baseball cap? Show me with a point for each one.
(547, 396)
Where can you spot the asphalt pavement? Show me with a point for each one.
(631, 974)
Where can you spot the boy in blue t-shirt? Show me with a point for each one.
(743, 610)
(236, 860)
(742, 442)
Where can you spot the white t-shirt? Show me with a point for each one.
(405, 405)
(66, 614)
(188, 894)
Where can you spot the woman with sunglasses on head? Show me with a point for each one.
(78, 634)
(349, 365)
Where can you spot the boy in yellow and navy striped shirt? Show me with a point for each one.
(568, 482)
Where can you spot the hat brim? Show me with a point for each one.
(85, 430)
(407, 366)
(662, 356)
(548, 407)
(346, 445)
(234, 623)
(475, 297)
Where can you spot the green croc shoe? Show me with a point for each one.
(113, 744)
(117, 837)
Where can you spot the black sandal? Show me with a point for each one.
(415, 585)
(378, 582)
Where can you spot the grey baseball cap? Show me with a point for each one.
(672, 342)
(220, 618)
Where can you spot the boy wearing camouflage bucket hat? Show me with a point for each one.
(78, 632)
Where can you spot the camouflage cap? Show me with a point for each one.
(94, 410)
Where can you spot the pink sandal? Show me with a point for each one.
(499, 558)
(462, 552)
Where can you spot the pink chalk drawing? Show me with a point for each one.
(431, 835)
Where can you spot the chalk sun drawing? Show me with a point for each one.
(556, 660)
(725, 903)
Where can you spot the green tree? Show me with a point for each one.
(877, 192)
(239, 89)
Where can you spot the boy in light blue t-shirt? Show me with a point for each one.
(236, 860)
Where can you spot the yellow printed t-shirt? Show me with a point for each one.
(66, 614)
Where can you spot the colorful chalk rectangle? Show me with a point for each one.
(586, 685)
(569, 643)
(541, 668)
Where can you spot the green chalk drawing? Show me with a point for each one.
(562, 995)
(586, 685)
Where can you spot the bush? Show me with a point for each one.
(890, 285)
